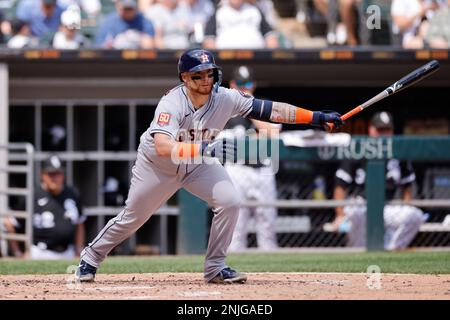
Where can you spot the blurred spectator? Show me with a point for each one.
(170, 22)
(239, 25)
(254, 181)
(347, 20)
(432, 6)
(126, 28)
(69, 37)
(43, 17)
(438, 33)
(199, 12)
(319, 17)
(92, 8)
(315, 12)
(268, 10)
(408, 17)
(322, 6)
(21, 36)
(5, 30)
(143, 5)
(2, 19)
(401, 222)
(349, 10)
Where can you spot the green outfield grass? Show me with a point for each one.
(389, 262)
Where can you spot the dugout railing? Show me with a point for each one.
(16, 159)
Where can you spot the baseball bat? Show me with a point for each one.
(405, 82)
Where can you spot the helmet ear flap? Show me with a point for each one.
(217, 75)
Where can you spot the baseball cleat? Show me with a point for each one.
(229, 276)
(86, 272)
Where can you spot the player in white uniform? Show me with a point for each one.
(401, 222)
(253, 181)
(178, 151)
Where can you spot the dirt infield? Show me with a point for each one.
(189, 286)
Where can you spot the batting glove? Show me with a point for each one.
(224, 150)
(322, 118)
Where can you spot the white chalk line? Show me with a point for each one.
(140, 298)
(114, 288)
(199, 293)
(340, 273)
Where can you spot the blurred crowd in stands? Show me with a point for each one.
(221, 24)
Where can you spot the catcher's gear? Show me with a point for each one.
(222, 149)
(195, 60)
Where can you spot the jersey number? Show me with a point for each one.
(46, 220)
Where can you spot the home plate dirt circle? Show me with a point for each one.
(260, 286)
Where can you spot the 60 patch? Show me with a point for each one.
(164, 118)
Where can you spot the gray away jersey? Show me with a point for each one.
(176, 116)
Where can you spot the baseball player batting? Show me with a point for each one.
(187, 120)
